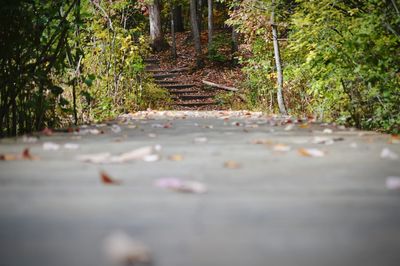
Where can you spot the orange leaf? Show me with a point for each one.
(106, 179)
(26, 155)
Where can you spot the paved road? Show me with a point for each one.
(270, 207)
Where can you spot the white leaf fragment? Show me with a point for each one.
(71, 146)
(386, 153)
(393, 182)
(51, 146)
(145, 153)
(116, 129)
(200, 140)
(181, 185)
(121, 249)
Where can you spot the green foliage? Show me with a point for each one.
(219, 49)
(341, 61)
(70, 61)
(349, 54)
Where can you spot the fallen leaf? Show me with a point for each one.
(261, 141)
(28, 139)
(151, 158)
(95, 131)
(71, 146)
(175, 157)
(323, 140)
(116, 129)
(393, 182)
(51, 146)
(26, 155)
(178, 185)
(289, 127)
(106, 179)
(353, 145)
(121, 249)
(304, 125)
(104, 157)
(394, 139)
(311, 152)
(232, 165)
(200, 140)
(388, 154)
(47, 132)
(8, 157)
(136, 154)
(281, 148)
(167, 125)
(327, 131)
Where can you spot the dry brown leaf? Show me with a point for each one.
(281, 148)
(261, 141)
(26, 155)
(106, 179)
(311, 152)
(232, 164)
(175, 157)
(8, 157)
(304, 125)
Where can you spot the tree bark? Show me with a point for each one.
(158, 42)
(173, 48)
(210, 23)
(196, 33)
(199, 12)
(281, 102)
(178, 19)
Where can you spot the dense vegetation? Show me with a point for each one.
(76, 61)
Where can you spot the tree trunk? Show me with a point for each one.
(281, 102)
(158, 42)
(199, 14)
(210, 23)
(178, 19)
(196, 33)
(173, 48)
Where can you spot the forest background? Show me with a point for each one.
(80, 61)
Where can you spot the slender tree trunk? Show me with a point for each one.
(281, 102)
(173, 48)
(196, 33)
(178, 19)
(210, 23)
(158, 42)
(199, 14)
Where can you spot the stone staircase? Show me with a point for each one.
(184, 95)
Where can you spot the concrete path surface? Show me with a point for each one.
(280, 192)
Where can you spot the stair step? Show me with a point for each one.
(151, 60)
(163, 76)
(181, 91)
(195, 103)
(178, 86)
(165, 82)
(150, 68)
(192, 96)
(176, 70)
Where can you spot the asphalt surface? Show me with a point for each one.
(267, 203)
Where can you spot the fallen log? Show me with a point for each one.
(212, 84)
